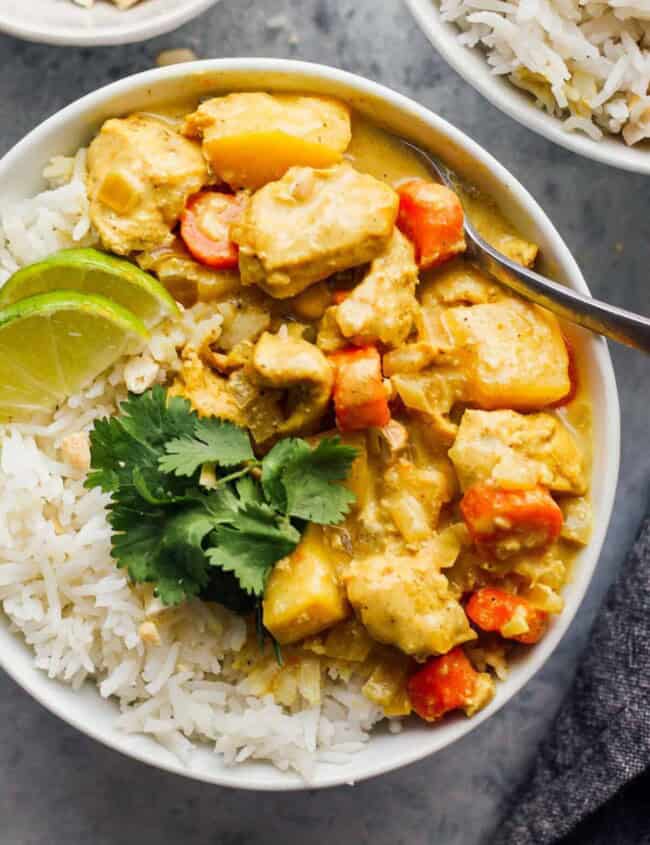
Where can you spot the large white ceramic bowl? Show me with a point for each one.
(473, 67)
(75, 126)
(63, 22)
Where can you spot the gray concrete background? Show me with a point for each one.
(57, 786)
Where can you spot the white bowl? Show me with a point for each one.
(63, 22)
(73, 127)
(471, 64)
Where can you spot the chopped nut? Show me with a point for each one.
(148, 632)
(75, 450)
(175, 57)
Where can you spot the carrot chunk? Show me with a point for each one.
(360, 399)
(503, 522)
(495, 610)
(444, 683)
(431, 216)
(205, 228)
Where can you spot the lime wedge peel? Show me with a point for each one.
(90, 271)
(53, 344)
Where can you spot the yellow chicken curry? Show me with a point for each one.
(336, 269)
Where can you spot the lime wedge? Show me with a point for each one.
(94, 272)
(53, 344)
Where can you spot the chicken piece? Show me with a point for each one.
(405, 601)
(516, 354)
(303, 595)
(517, 452)
(75, 450)
(458, 283)
(250, 139)
(382, 307)
(310, 224)
(140, 174)
(209, 394)
(302, 377)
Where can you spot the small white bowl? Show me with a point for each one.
(75, 126)
(63, 22)
(471, 64)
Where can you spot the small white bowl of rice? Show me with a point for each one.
(92, 23)
(69, 630)
(576, 73)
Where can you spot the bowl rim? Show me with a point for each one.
(32, 679)
(128, 33)
(470, 64)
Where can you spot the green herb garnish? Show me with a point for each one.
(219, 540)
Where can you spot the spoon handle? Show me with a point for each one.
(612, 322)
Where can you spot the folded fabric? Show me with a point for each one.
(600, 741)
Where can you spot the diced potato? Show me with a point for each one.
(517, 451)
(303, 596)
(250, 139)
(406, 602)
(349, 217)
(517, 355)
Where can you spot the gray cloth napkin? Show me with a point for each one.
(591, 780)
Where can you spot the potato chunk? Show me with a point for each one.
(382, 307)
(140, 174)
(516, 354)
(303, 596)
(250, 139)
(349, 217)
(517, 451)
(405, 601)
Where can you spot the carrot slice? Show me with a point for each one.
(360, 399)
(444, 683)
(431, 216)
(493, 610)
(205, 228)
(506, 521)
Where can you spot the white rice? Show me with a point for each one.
(61, 590)
(587, 63)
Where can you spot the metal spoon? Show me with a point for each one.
(608, 320)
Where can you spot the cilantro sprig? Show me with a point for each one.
(219, 540)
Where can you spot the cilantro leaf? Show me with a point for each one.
(251, 546)
(301, 480)
(220, 543)
(278, 459)
(213, 441)
(153, 419)
(163, 549)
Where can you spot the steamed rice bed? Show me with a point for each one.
(587, 63)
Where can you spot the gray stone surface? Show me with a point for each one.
(56, 786)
